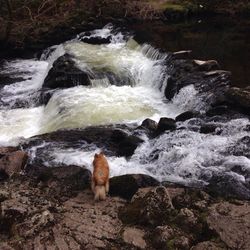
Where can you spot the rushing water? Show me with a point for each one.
(184, 156)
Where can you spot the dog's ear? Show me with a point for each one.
(101, 153)
(96, 155)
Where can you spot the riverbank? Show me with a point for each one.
(35, 26)
(54, 208)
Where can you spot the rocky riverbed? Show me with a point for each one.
(54, 209)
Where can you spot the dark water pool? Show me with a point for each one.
(222, 39)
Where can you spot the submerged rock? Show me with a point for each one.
(185, 116)
(126, 186)
(218, 110)
(165, 124)
(65, 74)
(96, 40)
(149, 124)
(208, 128)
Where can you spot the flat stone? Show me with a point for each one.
(232, 223)
(135, 237)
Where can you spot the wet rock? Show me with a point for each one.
(153, 207)
(135, 237)
(44, 97)
(149, 124)
(240, 147)
(64, 179)
(126, 186)
(7, 78)
(226, 185)
(65, 74)
(185, 116)
(182, 54)
(126, 144)
(96, 40)
(208, 128)
(207, 65)
(219, 110)
(165, 124)
(210, 86)
(231, 222)
(239, 98)
(13, 162)
(113, 141)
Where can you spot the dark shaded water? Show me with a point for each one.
(221, 39)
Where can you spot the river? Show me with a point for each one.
(128, 81)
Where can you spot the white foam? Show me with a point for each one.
(19, 123)
(81, 106)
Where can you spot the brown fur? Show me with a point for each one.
(100, 177)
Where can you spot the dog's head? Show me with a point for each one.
(101, 154)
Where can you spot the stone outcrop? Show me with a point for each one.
(65, 74)
(231, 222)
(11, 161)
(35, 216)
(126, 186)
(113, 140)
(210, 83)
(240, 98)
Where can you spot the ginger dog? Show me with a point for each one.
(100, 177)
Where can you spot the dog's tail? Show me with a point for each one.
(100, 192)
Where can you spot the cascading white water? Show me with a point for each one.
(83, 106)
(181, 156)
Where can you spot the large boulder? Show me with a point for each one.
(126, 186)
(231, 222)
(209, 82)
(65, 74)
(12, 162)
(61, 180)
(149, 207)
(240, 98)
(113, 141)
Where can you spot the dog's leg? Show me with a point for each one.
(93, 186)
(102, 193)
(107, 186)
